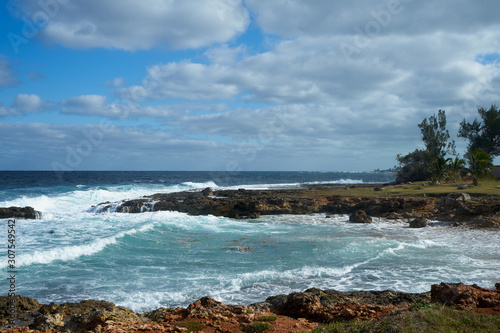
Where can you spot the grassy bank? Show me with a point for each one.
(488, 187)
(421, 318)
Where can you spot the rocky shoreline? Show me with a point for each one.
(471, 210)
(296, 312)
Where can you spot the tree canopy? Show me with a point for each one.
(480, 164)
(436, 136)
(485, 133)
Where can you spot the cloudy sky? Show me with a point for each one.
(316, 85)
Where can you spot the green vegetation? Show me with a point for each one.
(268, 318)
(423, 164)
(489, 187)
(432, 163)
(456, 168)
(480, 165)
(193, 326)
(484, 134)
(435, 135)
(422, 318)
(258, 327)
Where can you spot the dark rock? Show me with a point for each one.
(206, 302)
(360, 216)
(304, 305)
(251, 204)
(207, 192)
(394, 216)
(28, 213)
(419, 222)
(24, 307)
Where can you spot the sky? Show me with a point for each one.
(238, 85)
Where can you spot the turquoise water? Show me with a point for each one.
(144, 261)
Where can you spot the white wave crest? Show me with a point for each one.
(73, 252)
(193, 185)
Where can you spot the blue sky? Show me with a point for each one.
(237, 85)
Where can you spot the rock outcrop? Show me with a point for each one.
(360, 216)
(299, 311)
(28, 213)
(419, 222)
(463, 297)
(477, 211)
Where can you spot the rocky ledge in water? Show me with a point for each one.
(20, 213)
(477, 211)
(296, 312)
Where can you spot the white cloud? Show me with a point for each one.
(86, 105)
(292, 18)
(133, 25)
(30, 103)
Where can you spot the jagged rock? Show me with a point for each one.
(360, 216)
(394, 216)
(28, 213)
(80, 317)
(303, 305)
(204, 303)
(244, 204)
(49, 322)
(419, 222)
(24, 306)
(465, 297)
(207, 192)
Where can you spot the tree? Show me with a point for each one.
(480, 165)
(484, 134)
(436, 136)
(414, 166)
(456, 166)
(441, 167)
(422, 164)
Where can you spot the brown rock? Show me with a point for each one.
(207, 192)
(360, 216)
(465, 297)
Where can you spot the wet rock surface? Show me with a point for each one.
(360, 216)
(478, 211)
(28, 213)
(296, 312)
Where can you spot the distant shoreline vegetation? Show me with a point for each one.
(439, 160)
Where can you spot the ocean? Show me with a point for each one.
(170, 259)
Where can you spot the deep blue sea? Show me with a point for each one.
(144, 261)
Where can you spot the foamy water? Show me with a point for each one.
(154, 259)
